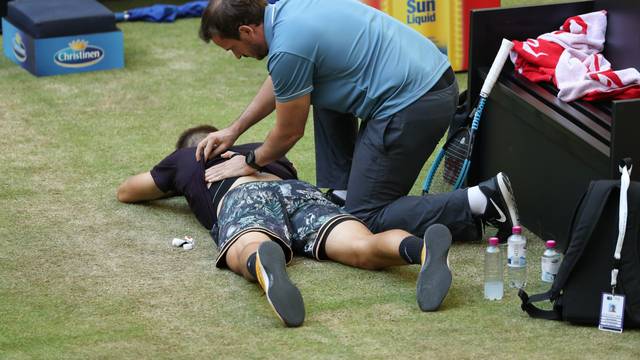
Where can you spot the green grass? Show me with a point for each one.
(83, 276)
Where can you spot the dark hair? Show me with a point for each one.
(192, 136)
(224, 17)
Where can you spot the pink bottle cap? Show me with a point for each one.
(550, 244)
(493, 241)
(517, 230)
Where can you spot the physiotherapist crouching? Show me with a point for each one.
(350, 61)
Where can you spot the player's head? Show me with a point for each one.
(192, 136)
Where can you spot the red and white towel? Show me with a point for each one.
(571, 59)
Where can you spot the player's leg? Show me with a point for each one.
(351, 243)
(256, 257)
(323, 231)
(241, 255)
(253, 241)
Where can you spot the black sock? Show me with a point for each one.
(251, 265)
(410, 249)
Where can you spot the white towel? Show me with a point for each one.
(571, 59)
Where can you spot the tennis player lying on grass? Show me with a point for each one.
(260, 221)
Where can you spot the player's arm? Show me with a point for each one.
(139, 188)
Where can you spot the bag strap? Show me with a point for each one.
(625, 179)
(583, 224)
(536, 312)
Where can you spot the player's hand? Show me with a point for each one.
(215, 143)
(235, 166)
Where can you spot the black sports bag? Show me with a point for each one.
(590, 267)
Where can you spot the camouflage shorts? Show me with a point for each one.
(293, 213)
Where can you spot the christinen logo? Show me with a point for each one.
(78, 54)
(18, 48)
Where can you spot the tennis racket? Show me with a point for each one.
(451, 166)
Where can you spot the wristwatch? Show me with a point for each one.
(250, 159)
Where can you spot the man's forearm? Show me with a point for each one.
(275, 146)
(260, 107)
(291, 119)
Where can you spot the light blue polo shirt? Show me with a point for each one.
(350, 57)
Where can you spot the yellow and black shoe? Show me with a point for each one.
(435, 278)
(283, 295)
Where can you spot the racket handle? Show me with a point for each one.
(496, 67)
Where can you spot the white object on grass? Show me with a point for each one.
(178, 242)
(187, 243)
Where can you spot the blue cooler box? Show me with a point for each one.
(62, 36)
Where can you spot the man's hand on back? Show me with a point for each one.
(215, 143)
(235, 166)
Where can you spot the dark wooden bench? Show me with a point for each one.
(551, 149)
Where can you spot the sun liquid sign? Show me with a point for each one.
(78, 54)
(421, 11)
(445, 22)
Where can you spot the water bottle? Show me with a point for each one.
(550, 262)
(493, 285)
(517, 258)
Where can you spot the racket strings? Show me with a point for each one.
(455, 154)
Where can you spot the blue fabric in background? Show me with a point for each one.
(163, 13)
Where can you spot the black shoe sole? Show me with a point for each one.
(284, 297)
(435, 277)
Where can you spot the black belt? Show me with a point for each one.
(445, 80)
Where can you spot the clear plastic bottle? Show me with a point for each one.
(493, 269)
(550, 262)
(517, 258)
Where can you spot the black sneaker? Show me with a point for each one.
(435, 278)
(331, 196)
(501, 209)
(283, 295)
